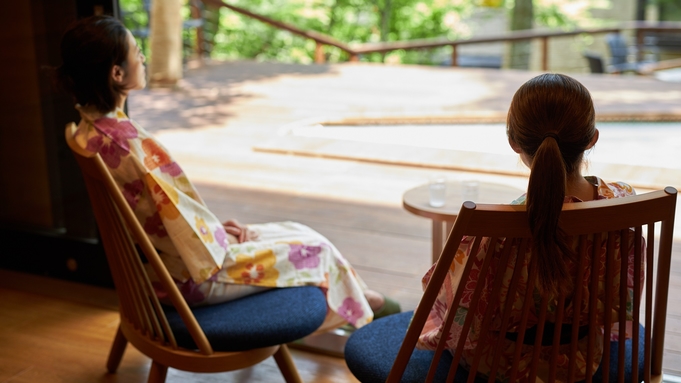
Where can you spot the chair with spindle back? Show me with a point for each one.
(384, 350)
(215, 338)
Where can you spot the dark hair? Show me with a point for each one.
(89, 50)
(552, 120)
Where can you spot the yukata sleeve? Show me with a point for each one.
(196, 233)
(433, 329)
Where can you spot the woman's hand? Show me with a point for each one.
(239, 231)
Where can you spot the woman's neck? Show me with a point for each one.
(579, 187)
(121, 101)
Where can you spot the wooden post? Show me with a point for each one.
(196, 14)
(319, 53)
(455, 56)
(165, 63)
(354, 57)
(639, 44)
(545, 54)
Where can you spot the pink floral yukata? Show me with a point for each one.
(192, 241)
(432, 331)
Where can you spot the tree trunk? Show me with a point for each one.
(165, 63)
(386, 14)
(522, 17)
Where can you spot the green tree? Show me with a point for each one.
(522, 17)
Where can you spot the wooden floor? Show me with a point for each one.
(60, 332)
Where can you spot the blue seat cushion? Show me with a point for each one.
(276, 316)
(371, 350)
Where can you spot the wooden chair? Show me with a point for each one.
(384, 350)
(215, 338)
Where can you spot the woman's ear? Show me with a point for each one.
(593, 141)
(514, 146)
(117, 74)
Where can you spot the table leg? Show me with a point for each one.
(450, 225)
(441, 230)
(438, 239)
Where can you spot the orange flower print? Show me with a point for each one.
(458, 258)
(155, 155)
(165, 197)
(256, 270)
(165, 208)
(203, 230)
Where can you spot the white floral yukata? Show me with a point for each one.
(432, 331)
(193, 243)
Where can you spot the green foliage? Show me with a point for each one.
(349, 21)
(551, 16)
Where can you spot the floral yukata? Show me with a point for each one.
(192, 242)
(432, 330)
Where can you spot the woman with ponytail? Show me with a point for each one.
(550, 124)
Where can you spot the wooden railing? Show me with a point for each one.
(353, 51)
(319, 38)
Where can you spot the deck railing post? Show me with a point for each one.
(319, 53)
(200, 40)
(455, 55)
(639, 44)
(545, 53)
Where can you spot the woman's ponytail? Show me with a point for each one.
(545, 196)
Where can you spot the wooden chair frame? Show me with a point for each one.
(581, 220)
(143, 322)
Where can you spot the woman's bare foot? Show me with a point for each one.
(375, 299)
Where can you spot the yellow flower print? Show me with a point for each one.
(182, 182)
(257, 270)
(165, 196)
(203, 230)
(170, 191)
(208, 272)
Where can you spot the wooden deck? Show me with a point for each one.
(211, 124)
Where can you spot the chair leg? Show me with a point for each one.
(286, 365)
(117, 350)
(157, 372)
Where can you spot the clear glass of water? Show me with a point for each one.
(437, 191)
(470, 190)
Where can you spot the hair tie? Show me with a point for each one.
(552, 135)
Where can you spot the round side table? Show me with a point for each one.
(417, 201)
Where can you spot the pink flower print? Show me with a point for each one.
(159, 290)
(154, 226)
(221, 237)
(132, 192)
(112, 144)
(192, 292)
(350, 310)
(304, 257)
(172, 168)
(468, 291)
